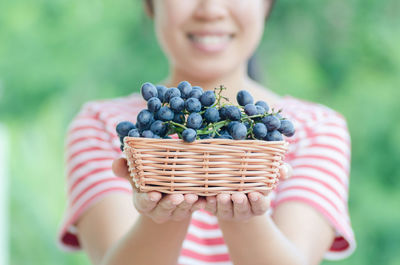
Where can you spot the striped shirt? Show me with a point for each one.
(319, 153)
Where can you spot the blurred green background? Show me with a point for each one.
(57, 54)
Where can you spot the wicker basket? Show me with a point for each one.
(205, 167)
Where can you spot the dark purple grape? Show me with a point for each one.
(223, 130)
(161, 92)
(165, 114)
(147, 134)
(121, 138)
(194, 121)
(177, 104)
(124, 127)
(192, 105)
(287, 128)
(141, 128)
(211, 115)
(263, 104)
(159, 128)
(239, 131)
(272, 122)
(274, 136)
(208, 98)
(170, 93)
(233, 113)
(230, 126)
(247, 124)
(250, 109)
(279, 116)
(144, 118)
(189, 135)
(185, 87)
(260, 110)
(167, 137)
(155, 136)
(243, 97)
(179, 118)
(148, 91)
(223, 113)
(134, 133)
(260, 130)
(195, 93)
(205, 136)
(154, 104)
(224, 136)
(198, 88)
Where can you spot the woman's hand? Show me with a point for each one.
(239, 206)
(160, 207)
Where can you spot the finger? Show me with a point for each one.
(285, 171)
(241, 206)
(146, 202)
(120, 169)
(211, 204)
(183, 209)
(200, 204)
(163, 211)
(259, 203)
(224, 206)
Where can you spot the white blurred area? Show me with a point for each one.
(4, 149)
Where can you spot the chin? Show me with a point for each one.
(208, 70)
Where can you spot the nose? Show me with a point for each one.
(209, 10)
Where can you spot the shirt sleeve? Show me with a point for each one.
(89, 154)
(321, 163)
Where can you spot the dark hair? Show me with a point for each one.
(149, 3)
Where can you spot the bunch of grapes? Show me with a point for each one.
(192, 114)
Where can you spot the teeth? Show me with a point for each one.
(210, 40)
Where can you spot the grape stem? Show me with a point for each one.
(219, 96)
(177, 124)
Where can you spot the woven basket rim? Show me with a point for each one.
(212, 140)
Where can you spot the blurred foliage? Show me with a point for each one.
(55, 55)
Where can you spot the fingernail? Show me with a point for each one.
(254, 198)
(177, 199)
(224, 198)
(190, 199)
(285, 171)
(239, 201)
(152, 197)
(177, 202)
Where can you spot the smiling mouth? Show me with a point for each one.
(210, 39)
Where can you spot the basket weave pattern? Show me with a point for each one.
(205, 167)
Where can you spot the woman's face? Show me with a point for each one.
(207, 39)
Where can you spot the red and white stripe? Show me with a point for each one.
(319, 154)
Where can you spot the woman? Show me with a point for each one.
(208, 43)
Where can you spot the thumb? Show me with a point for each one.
(285, 171)
(120, 169)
